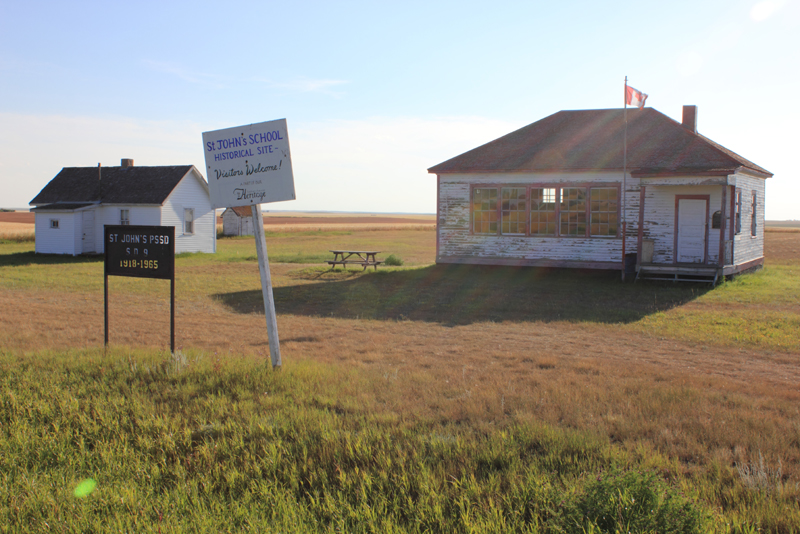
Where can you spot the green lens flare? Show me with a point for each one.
(85, 487)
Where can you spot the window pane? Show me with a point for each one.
(604, 208)
(543, 211)
(484, 210)
(513, 211)
(573, 211)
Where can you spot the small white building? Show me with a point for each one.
(237, 221)
(553, 194)
(73, 207)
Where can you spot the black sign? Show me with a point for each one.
(140, 251)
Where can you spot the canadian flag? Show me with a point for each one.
(634, 97)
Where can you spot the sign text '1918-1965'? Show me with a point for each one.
(140, 251)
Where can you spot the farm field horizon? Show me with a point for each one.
(693, 381)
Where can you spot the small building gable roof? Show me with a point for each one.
(592, 140)
(63, 206)
(113, 185)
(241, 211)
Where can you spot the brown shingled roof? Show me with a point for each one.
(592, 140)
(242, 211)
(119, 185)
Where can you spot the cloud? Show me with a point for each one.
(765, 9)
(183, 73)
(305, 85)
(34, 148)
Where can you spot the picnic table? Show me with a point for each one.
(364, 258)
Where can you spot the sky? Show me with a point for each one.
(374, 93)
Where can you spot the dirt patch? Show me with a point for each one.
(782, 247)
(26, 217)
(326, 221)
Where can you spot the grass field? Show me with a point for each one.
(414, 398)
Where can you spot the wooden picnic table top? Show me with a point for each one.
(355, 251)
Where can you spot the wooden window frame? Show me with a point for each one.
(472, 210)
(54, 224)
(188, 226)
(586, 186)
(738, 212)
(525, 212)
(123, 220)
(754, 216)
(556, 201)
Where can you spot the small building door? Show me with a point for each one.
(691, 229)
(87, 240)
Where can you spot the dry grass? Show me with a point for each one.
(710, 407)
(13, 231)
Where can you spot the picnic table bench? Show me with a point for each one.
(365, 258)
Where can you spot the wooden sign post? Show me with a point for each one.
(141, 252)
(266, 286)
(248, 166)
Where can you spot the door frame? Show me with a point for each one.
(678, 199)
(93, 241)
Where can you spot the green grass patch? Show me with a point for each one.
(192, 443)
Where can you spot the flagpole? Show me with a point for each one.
(624, 173)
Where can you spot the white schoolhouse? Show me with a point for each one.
(553, 194)
(74, 206)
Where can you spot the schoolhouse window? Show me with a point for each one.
(54, 224)
(716, 220)
(753, 218)
(188, 221)
(546, 211)
(124, 217)
(513, 211)
(573, 211)
(603, 209)
(738, 214)
(543, 211)
(484, 211)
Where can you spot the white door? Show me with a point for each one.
(691, 230)
(247, 226)
(88, 232)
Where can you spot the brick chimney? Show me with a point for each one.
(126, 162)
(690, 118)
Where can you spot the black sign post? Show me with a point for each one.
(142, 252)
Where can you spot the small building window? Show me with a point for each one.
(716, 220)
(188, 221)
(54, 224)
(124, 217)
(753, 217)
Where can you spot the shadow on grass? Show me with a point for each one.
(463, 294)
(19, 259)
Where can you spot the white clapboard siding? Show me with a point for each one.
(62, 240)
(457, 244)
(109, 214)
(747, 247)
(233, 224)
(191, 192)
(659, 222)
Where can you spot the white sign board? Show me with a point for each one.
(249, 165)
